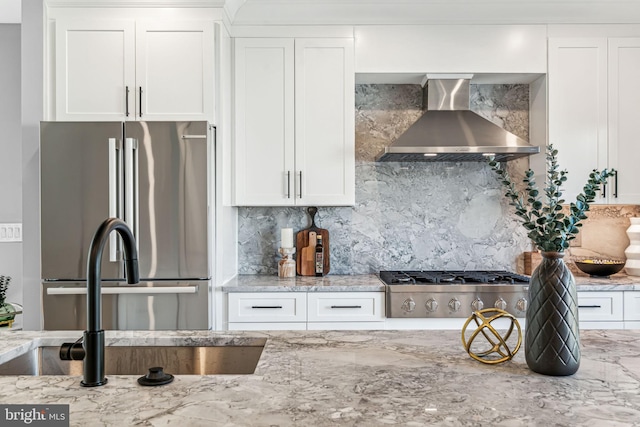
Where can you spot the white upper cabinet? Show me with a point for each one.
(294, 122)
(451, 48)
(325, 121)
(578, 108)
(264, 113)
(593, 113)
(174, 70)
(624, 118)
(95, 66)
(133, 70)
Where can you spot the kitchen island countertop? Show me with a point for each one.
(367, 378)
(372, 283)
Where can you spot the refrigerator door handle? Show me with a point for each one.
(131, 181)
(115, 186)
(127, 290)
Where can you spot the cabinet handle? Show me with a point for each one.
(346, 306)
(301, 184)
(140, 105)
(604, 190)
(266, 306)
(589, 306)
(288, 184)
(126, 101)
(615, 185)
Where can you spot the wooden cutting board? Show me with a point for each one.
(306, 247)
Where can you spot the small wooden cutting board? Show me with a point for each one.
(305, 247)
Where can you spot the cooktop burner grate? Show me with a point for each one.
(410, 277)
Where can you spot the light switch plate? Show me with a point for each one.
(10, 232)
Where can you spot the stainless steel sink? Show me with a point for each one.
(136, 360)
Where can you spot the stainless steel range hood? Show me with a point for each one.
(449, 131)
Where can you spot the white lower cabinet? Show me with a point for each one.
(267, 310)
(345, 310)
(632, 309)
(609, 309)
(306, 310)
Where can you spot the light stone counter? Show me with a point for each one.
(348, 378)
(329, 283)
(616, 282)
(372, 283)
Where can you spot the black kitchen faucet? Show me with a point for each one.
(92, 348)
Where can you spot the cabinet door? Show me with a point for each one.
(174, 70)
(264, 129)
(624, 114)
(325, 108)
(94, 69)
(632, 306)
(578, 108)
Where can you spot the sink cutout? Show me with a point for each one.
(136, 360)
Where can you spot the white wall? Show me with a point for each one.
(32, 108)
(10, 11)
(10, 155)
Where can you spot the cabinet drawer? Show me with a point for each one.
(268, 326)
(632, 305)
(346, 306)
(268, 307)
(600, 306)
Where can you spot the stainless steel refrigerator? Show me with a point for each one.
(156, 177)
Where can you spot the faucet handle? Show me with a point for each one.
(72, 350)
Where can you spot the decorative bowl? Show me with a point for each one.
(599, 267)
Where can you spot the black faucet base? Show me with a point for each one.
(93, 343)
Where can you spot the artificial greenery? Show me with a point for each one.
(4, 285)
(549, 228)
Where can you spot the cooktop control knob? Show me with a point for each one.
(408, 305)
(431, 305)
(477, 304)
(454, 304)
(522, 304)
(500, 304)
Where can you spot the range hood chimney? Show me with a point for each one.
(449, 131)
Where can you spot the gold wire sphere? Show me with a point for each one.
(498, 343)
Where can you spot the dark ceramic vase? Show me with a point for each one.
(552, 336)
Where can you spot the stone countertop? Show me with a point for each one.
(332, 378)
(329, 283)
(616, 282)
(372, 283)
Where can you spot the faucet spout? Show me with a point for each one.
(93, 342)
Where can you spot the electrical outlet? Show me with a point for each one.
(10, 232)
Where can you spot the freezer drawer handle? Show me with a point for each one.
(266, 306)
(127, 290)
(346, 306)
(589, 306)
(193, 136)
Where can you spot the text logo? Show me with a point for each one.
(34, 415)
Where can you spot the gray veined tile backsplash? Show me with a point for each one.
(407, 215)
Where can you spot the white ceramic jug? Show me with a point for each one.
(632, 266)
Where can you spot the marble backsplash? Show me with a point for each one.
(424, 215)
(407, 215)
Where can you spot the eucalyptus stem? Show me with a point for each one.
(548, 227)
(4, 285)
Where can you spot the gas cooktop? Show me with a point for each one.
(442, 294)
(447, 277)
